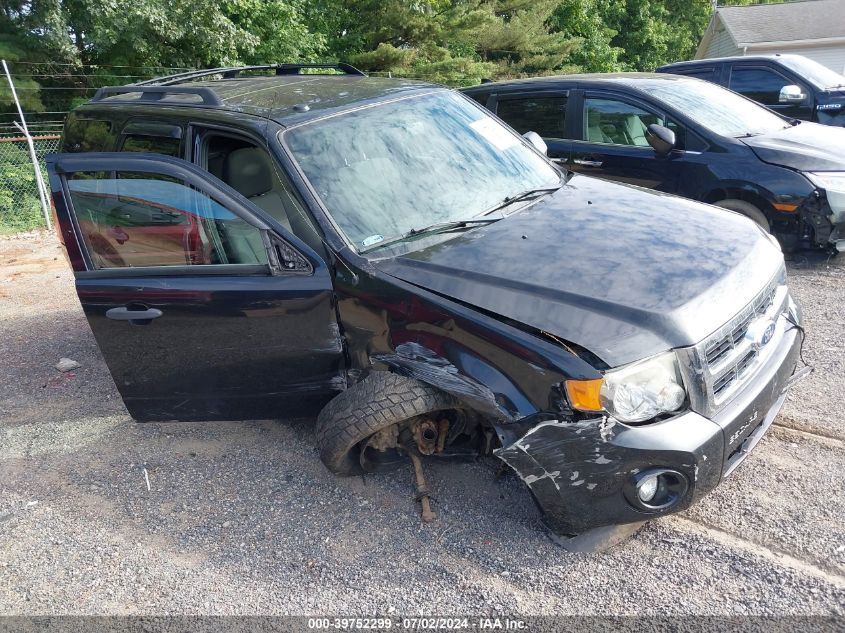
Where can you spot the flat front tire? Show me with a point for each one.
(377, 402)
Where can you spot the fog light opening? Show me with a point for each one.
(656, 489)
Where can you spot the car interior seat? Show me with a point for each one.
(636, 130)
(249, 172)
(595, 134)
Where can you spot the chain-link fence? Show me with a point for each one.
(20, 206)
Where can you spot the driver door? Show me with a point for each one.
(203, 306)
(613, 144)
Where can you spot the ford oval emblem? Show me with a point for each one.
(760, 332)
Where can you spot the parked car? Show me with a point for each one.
(688, 137)
(390, 255)
(791, 85)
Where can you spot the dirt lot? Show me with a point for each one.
(243, 518)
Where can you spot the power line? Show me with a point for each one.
(102, 66)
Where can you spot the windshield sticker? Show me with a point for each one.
(494, 133)
(373, 239)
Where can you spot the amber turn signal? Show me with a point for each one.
(584, 394)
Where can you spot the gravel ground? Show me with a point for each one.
(242, 518)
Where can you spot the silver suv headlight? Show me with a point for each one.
(643, 390)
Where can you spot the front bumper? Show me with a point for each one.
(579, 473)
(828, 226)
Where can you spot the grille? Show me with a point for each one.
(721, 346)
(720, 364)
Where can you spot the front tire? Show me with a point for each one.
(379, 401)
(747, 209)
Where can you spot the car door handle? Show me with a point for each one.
(125, 314)
(588, 163)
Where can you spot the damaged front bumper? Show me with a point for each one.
(584, 474)
(828, 226)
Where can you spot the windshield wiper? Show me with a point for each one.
(437, 227)
(528, 194)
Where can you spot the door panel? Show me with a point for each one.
(228, 325)
(614, 144)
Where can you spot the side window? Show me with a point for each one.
(616, 122)
(758, 83)
(707, 74)
(544, 115)
(130, 219)
(480, 98)
(87, 135)
(153, 144)
(252, 172)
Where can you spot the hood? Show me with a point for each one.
(621, 271)
(805, 147)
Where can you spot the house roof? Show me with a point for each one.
(785, 22)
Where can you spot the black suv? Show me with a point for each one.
(791, 85)
(256, 243)
(688, 137)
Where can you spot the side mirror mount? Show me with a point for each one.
(791, 94)
(537, 142)
(661, 138)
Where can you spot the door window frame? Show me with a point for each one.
(191, 175)
(197, 147)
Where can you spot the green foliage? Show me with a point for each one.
(20, 206)
(632, 34)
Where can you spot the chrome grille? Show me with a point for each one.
(720, 364)
(721, 345)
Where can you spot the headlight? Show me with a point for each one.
(643, 390)
(833, 183)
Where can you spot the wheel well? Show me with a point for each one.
(746, 195)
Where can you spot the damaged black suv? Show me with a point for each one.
(258, 242)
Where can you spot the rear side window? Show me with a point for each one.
(87, 135)
(152, 144)
(544, 115)
(130, 219)
(759, 84)
(479, 97)
(707, 74)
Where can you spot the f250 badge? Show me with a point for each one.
(760, 332)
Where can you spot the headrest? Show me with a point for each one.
(593, 118)
(248, 171)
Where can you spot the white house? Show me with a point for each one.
(812, 28)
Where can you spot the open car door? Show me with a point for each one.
(203, 306)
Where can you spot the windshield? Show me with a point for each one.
(818, 75)
(383, 171)
(717, 109)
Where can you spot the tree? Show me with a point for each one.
(632, 34)
(451, 41)
(161, 33)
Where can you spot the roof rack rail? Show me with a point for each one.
(156, 93)
(231, 72)
(293, 69)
